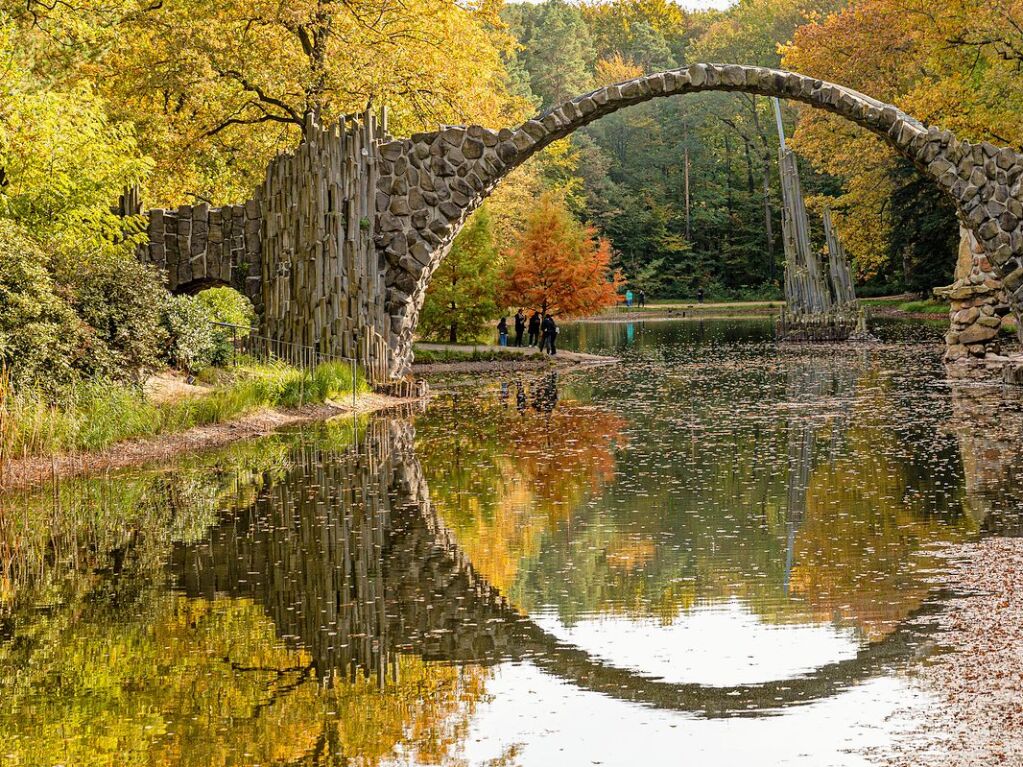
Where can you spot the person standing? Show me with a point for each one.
(520, 326)
(628, 299)
(534, 329)
(642, 298)
(549, 329)
(502, 332)
(699, 295)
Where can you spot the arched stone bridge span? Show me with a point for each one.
(351, 562)
(353, 223)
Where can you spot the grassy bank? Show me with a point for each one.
(94, 415)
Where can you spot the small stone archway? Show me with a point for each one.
(429, 183)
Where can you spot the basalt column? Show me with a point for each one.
(323, 279)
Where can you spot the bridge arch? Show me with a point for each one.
(431, 182)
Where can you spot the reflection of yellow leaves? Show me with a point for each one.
(859, 551)
(630, 555)
(541, 469)
(209, 683)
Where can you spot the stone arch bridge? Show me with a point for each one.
(338, 244)
(351, 562)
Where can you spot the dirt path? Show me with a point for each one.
(33, 470)
(977, 685)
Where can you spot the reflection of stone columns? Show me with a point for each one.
(988, 426)
(349, 560)
(979, 303)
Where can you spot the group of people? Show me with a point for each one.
(543, 330)
(629, 297)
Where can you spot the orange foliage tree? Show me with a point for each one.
(559, 266)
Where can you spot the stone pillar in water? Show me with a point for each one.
(980, 304)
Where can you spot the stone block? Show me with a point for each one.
(421, 252)
(966, 316)
(534, 129)
(473, 148)
(411, 265)
(1014, 279)
(507, 151)
(453, 136)
(522, 141)
(697, 75)
(392, 150)
(450, 211)
(976, 334)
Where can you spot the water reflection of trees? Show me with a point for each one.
(101, 664)
(502, 475)
(817, 510)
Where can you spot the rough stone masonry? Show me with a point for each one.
(347, 251)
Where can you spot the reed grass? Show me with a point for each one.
(96, 414)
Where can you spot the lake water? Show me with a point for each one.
(716, 552)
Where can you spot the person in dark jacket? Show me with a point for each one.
(520, 326)
(502, 332)
(549, 338)
(534, 329)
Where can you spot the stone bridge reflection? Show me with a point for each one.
(349, 559)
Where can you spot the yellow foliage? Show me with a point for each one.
(953, 64)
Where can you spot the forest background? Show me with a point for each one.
(191, 98)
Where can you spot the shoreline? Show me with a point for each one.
(974, 682)
(21, 473)
(529, 359)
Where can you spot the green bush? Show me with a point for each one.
(39, 332)
(121, 301)
(193, 344)
(73, 316)
(228, 306)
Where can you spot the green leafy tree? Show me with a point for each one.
(462, 296)
(557, 50)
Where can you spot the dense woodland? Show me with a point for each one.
(190, 99)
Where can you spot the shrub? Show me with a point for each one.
(39, 332)
(122, 302)
(229, 306)
(192, 341)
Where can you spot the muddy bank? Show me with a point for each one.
(35, 469)
(976, 687)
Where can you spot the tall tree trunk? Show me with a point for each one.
(768, 215)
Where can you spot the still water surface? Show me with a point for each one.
(717, 552)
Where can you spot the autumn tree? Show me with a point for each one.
(950, 63)
(560, 267)
(462, 295)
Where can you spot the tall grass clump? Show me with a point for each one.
(94, 415)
